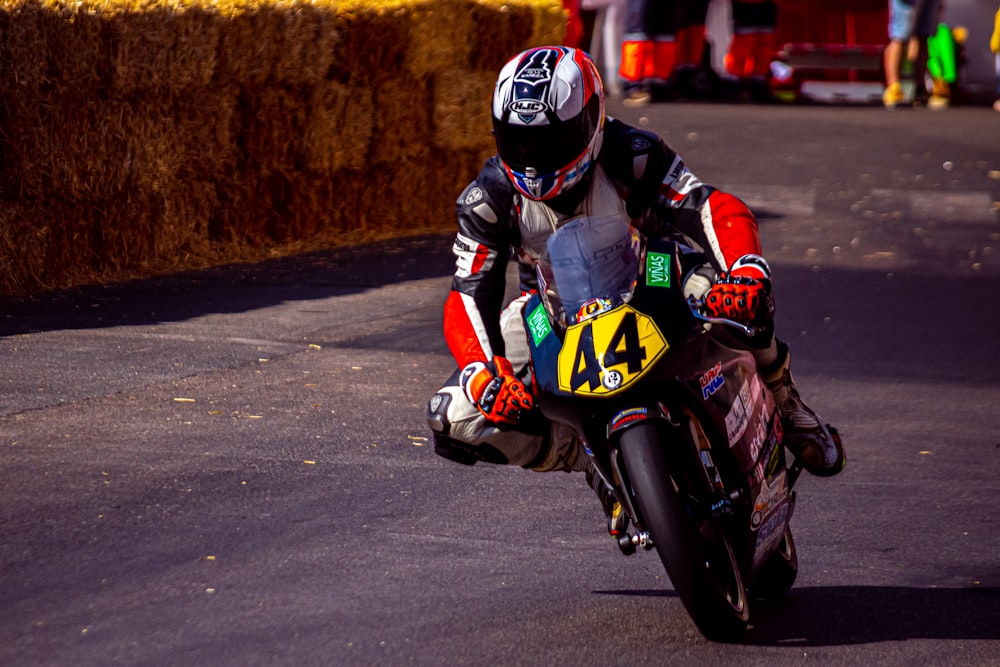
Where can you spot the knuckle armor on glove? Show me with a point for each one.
(496, 391)
(744, 294)
(744, 300)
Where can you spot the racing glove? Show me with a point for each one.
(741, 298)
(495, 390)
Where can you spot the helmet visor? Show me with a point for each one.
(546, 148)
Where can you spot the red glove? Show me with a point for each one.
(496, 391)
(740, 298)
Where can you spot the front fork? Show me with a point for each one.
(718, 502)
(635, 535)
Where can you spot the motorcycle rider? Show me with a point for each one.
(559, 156)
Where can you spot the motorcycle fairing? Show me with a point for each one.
(726, 383)
(628, 416)
(770, 533)
(544, 346)
(605, 354)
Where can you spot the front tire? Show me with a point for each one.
(694, 550)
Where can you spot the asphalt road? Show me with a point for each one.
(230, 467)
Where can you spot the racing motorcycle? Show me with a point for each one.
(675, 416)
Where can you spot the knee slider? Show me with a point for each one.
(452, 448)
(466, 454)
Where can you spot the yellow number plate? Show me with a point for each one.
(603, 355)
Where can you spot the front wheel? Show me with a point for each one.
(694, 550)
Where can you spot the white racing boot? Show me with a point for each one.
(815, 444)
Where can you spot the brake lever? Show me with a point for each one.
(696, 306)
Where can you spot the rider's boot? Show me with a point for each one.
(816, 445)
(563, 451)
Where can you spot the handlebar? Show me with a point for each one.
(696, 308)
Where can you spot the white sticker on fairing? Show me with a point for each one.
(739, 415)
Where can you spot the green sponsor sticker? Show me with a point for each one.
(538, 324)
(657, 269)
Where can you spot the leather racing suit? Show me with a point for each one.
(636, 174)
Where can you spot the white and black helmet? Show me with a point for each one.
(548, 119)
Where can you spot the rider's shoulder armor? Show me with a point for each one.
(637, 161)
(485, 207)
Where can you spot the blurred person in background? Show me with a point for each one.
(944, 55)
(693, 74)
(995, 48)
(649, 48)
(575, 27)
(753, 44)
(915, 20)
(664, 50)
(603, 40)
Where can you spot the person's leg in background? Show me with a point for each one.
(902, 23)
(752, 48)
(649, 49)
(605, 42)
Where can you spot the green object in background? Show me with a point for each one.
(941, 50)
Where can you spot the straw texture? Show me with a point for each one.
(148, 136)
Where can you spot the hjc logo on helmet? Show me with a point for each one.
(527, 109)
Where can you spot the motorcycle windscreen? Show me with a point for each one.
(589, 266)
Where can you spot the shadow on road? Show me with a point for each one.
(231, 288)
(845, 615)
(896, 324)
(833, 615)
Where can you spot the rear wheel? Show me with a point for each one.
(694, 549)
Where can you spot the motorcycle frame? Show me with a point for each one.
(658, 395)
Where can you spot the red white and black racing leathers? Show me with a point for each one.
(636, 174)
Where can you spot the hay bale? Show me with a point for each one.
(181, 137)
(64, 144)
(339, 128)
(404, 120)
(549, 22)
(90, 243)
(322, 210)
(183, 220)
(24, 49)
(308, 41)
(163, 49)
(512, 29)
(140, 132)
(443, 34)
(408, 200)
(286, 43)
(462, 119)
(274, 121)
(374, 41)
(78, 55)
(24, 240)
